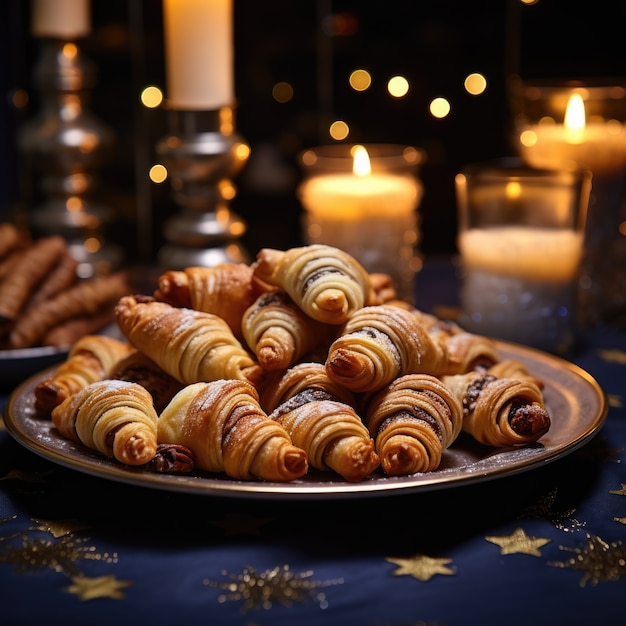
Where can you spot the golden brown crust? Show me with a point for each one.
(90, 359)
(114, 417)
(500, 412)
(192, 346)
(413, 421)
(28, 272)
(279, 332)
(225, 290)
(320, 418)
(223, 425)
(325, 282)
(379, 344)
(86, 297)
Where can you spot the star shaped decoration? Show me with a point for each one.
(621, 520)
(422, 567)
(519, 543)
(615, 401)
(58, 528)
(240, 524)
(619, 492)
(100, 587)
(613, 356)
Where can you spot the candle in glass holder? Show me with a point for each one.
(583, 125)
(521, 243)
(199, 54)
(364, 201)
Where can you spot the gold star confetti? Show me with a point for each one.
(58, 528)
(60, 556)
(601, 561)
(544, 509)
(264, 589)
(240, 524)
(100, 587)
(619, 492)
(614, 400)
(519, 543)
(422, 567)
(613, 356)
(621, 520)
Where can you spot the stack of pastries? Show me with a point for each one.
(300, 360)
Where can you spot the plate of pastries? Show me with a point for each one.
(44, 305)
(298, 375)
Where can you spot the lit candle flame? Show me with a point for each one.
(361, 165)
(575, 118)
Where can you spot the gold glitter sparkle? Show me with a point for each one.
(545, 509)
(519, 543)
(422, 567)
(613, 356)
(60, 556)
(58, 528)
(619, 492)
(276, 586)
(99, 587)
(601, 561)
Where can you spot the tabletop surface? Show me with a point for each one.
(539, 547)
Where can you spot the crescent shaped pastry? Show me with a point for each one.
(192, 346)
(114, 417)
(91, 358)
(278, 332)
(380, 343)
(325, 282)
(413, 421)
(321, 420)
(225, 290)
(500, 412)
(223, 425)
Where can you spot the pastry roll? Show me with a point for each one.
(315, 413)
(28, 272)
(226, 290)
(412, 421)
(114, 417)
(278, 331)
(325, 282)
(500, 412)
(192, 346)
(223, 425)
(379, 344)
(91, 358)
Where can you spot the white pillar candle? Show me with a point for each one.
(370, 215)
(61, 19)
(199, 53)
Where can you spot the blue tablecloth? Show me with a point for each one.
(543, 547)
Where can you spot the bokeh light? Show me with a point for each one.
(360, 80)
(339, 130)
(151, 97)
(398, 86)
(439, 107)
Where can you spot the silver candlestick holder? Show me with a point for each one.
(63, 148)
(202, 154)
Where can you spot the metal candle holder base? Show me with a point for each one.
(202, 154)
(63, 147)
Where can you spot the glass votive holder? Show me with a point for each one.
(364, 200)
(521, 241)
(582, 124)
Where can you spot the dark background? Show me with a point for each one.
(314, 45)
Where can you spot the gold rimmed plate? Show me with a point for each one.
(575, 400)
